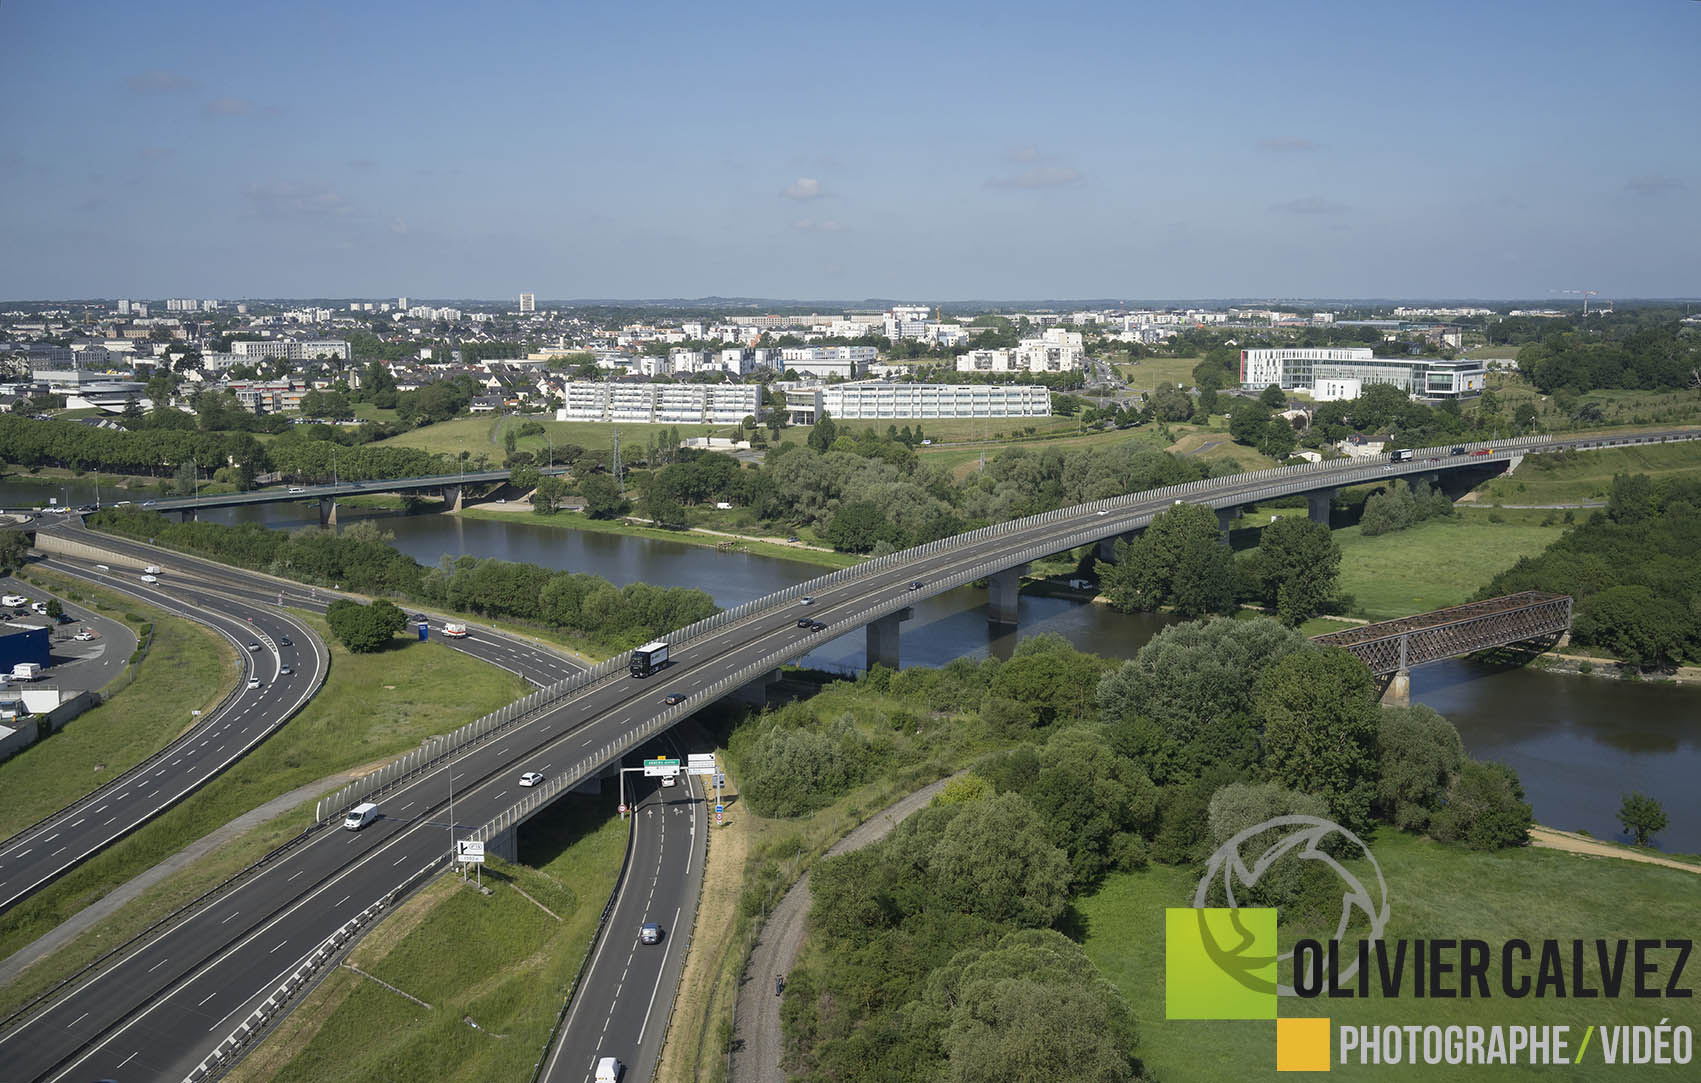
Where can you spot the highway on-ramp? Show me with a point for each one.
(265, 641)
(620, 1007)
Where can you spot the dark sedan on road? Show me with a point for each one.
(673, 699)
(804, 622)
(817, 626)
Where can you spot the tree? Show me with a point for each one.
(1278, 439)
(547, 494)
(1485, 809)
(1637, 625)
(823, 434)
(602, 497)
(54, 609)
(662, 508)
(1248, 421)
(1179, 561)
(14, 547)
(1642, 816)
(1320, 722)
(993, 859)
(1419, 754)
(364, 628)
(858, 527)
(1296, 568)
(1273, 397)
(1171, 403)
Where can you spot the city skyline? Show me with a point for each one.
(1089, 151)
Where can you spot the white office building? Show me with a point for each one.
(292, 349)
(1337, 369)
(528, 303)
(660, 403)
(870, 400)
(1056, 350)
(906, 321)
(826, 362)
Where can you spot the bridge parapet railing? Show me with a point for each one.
(1338, 474)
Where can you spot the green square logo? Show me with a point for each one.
(1220, 963)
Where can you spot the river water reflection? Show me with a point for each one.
(1578, 743)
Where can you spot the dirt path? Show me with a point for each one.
(1551, 839)
(757, 1042)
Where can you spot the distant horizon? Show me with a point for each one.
(875, 303)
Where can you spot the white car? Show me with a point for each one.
(83, 636)
(150, 578)
(531, 778)
(14, 599)
(253, 682)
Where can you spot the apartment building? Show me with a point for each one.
(660, 403)
(291, 349)
(1342, 372)
(826, 362)
(876, 400)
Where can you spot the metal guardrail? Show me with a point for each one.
(1340, 475)
(302, 980)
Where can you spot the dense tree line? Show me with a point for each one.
(1399, 506)
(1631, 569)
(1641, 356)
(928, 947)
(359, 558)
(1180, 562)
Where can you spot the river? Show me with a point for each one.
(1578, 743)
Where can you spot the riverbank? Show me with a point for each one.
(507, 511)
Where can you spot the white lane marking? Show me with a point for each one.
(661, 970)
(129, 1058)
(233, 913)
(157, 965)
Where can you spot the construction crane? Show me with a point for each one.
(1586, 294)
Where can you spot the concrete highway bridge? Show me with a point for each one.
(217, 976)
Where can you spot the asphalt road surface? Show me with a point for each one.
(265, 641)
(620, 1008)
(156, 1012)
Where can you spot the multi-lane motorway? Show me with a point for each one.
(157, 1011)
(620, 1008)
(266, 641)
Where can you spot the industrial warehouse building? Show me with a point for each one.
(1330, 373)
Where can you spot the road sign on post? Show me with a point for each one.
(469, 851)
(653, 768)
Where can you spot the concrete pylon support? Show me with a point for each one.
(1107, 546)
(1399, 690)
(1225, 520)
(1513, 463)
(505, 845)
(186, 515)
(327, 511)
(1004, 594)
(882, 639)
(452, 497)
(755, 694)
(1318, 505)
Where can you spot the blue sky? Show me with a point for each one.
(932, 152)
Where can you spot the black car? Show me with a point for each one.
(1460, 450)
(817, 626)
(916, 584)
(673, 699)
(804, 622)
(283, 641)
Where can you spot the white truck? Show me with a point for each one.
(454, 630)
(26, 671)
(608, 1070)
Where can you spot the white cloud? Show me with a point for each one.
(1045, 176)
(285, 199)
(803, 189)
(1310, 205)
(229, 107)
(1287, 144)
(158, 81)
(1654, 185)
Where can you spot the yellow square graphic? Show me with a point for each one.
(1302, 1045)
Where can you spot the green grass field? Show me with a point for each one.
(372, 707)
(1588, 475)
(187, 668)
(497, 960)
(1435, 564)
(1434, 892)
(1150, 372)
(1620, 408)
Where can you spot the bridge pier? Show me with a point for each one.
(1004, 594)
(505, 845)
(882, 639)
(755, 694)
(1399, 690)
(186, 515)
(1106, 553)
(1319, 504)
(452, 497)
(327, 511)
(1225, 519)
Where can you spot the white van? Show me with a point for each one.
(608, 1070)
(359, 816)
